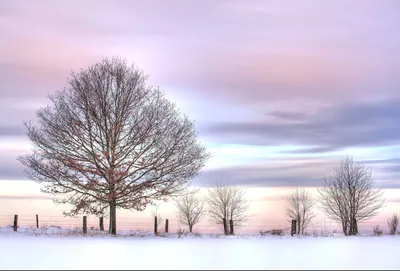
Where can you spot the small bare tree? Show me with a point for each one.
(191, 208)
(228, 203)
(300, 207)
(350, 195)
(393, 222)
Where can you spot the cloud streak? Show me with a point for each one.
(316, 78)
(291, 172)
(348, 125)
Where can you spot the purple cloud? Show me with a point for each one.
(318, 74)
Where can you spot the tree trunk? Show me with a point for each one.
(344, 227)
(113, 218)
(101, 223)
(293, 227)
(231, 230)
(298, 226)
(353, 227)
(225, 226)
(190, 228)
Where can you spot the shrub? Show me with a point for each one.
(180, 233)
(322, 232)
(279, 232)
(393, 222)
(377, 231)
(55, 226)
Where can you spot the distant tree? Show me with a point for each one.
(393, 222)
(300, 207)
(110, 141)
(350, 195)
(229, 203)
(191, 208)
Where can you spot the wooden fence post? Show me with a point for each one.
(225, 226)
(166, 225)
(101, 223)
(155, 225)
(231, 231)
(15, 222)
(84, 224)
(293, 228)
(37, 221)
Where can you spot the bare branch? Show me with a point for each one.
(191, 209)
(229, 203)
(108, 139)
(393, 222)
(300, 207)
(350, 195)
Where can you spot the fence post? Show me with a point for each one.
(231, 232)
(37, 221)
(293, 229)
(84, 224)
(101, 223)
(166, 225)
(15, 222)
(155, 225)
(225, 226)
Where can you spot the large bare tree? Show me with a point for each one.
(110, 141)
(349, 195)
(191, 208)
(228, 203)
(300, 207)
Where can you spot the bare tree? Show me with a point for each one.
(227, 203)
(393, 222)
(191, 208)
(109, 141)
(350, 195)
(300, 207)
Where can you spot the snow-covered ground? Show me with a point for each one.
(54, 248)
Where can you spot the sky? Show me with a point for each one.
(280, 90)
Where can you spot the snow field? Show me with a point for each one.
(26, 251)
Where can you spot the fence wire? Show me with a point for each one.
(147, 224)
